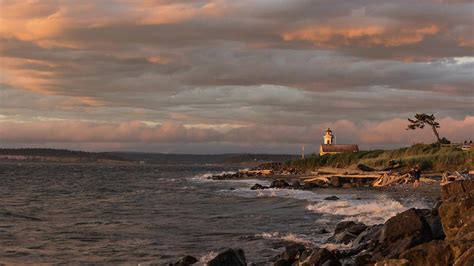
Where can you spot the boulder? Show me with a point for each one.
(321, 231)
(296, 184)
(350, 226)
(342, 238)
(279, 184)
(456, 188)
(331, 198)
(363, 258)
(318, 256)
(370, 236)
(457, 208)
(292, 253)
(185, 261)
(393, 262)
(437, 252)
(258, 186)
(406, 224)
(230, 257)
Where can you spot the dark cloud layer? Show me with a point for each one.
(225, 66)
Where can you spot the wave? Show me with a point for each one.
(370, 212)
(290, 237)
(306, 195)
(204, 259)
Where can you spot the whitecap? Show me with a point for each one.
(289, 237)
(372, 211)
(207, 257)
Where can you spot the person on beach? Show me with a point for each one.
(416, 173)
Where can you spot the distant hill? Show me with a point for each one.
(431, 157)
(202, 159)
(57, 156)
(67, 156)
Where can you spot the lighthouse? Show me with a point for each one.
(328, 137)
(329, 147)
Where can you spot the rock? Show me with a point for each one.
(229, 257)
(456, 188)
(401, 233)
(296, 184)
(437, 252)
(466, 259)
(282, 262)
(364, 258)
(351, 226)
(405, 224)
(335, 181)
(321, 231)
(279, 184)
(457, 207)
(318, 256)
(292, 253)
(346, 232)
(370, 235)
(393, 262)
(258, 186)
(342, 238)
(185, 261)
(331, 198)
(434, 222)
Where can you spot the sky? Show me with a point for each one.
(262, 76)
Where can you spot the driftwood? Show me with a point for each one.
(257, 172)
(454, 176)
(391, 179)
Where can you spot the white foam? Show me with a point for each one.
(207, 175)
(290, 237)
(282, 193)
(207, 257)
(371, 211)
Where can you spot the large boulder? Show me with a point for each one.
(457, 210)
(346, 232)
(402, 232)
(439, 252)
(230, 257)
(350, 226)
(291, 254)
(408, 223)
(318, 256)
(456, 188)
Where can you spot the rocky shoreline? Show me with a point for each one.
(443, 235)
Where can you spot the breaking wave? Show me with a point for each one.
(372, 211)
(290, 237)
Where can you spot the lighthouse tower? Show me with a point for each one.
(328, 137)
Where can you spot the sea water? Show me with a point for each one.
(156, 214)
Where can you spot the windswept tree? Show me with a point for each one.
(424, 119)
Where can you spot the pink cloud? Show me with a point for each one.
(372, 134)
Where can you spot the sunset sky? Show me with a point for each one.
(232, 76)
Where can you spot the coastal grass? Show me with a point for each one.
(429, 156)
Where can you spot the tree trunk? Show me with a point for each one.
(436, 133)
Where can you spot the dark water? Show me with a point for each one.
(155, 214)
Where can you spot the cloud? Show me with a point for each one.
(368, 134)
(249, 65)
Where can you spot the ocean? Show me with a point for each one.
(139, 214)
